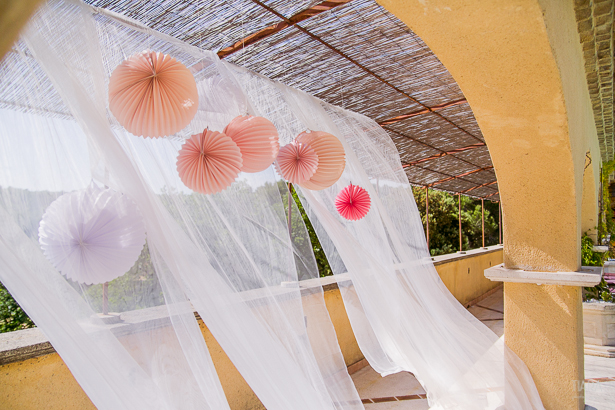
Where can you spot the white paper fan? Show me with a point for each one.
(92, 235)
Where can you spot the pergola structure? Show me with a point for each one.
(351, 53)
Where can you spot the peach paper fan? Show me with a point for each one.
(296, 162)
(209, 162)
(257, 138)
(153, 95)
(353, 202)
(331, 159)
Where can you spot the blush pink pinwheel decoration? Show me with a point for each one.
(153, 95)
(209, 162)
(353, 202)
(331, 159)
(257, 139)
(296, 162)
(93, 235)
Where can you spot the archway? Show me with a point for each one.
(520, 66)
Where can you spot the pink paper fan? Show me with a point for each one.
(93, 235)
(153, 95)
(257, 138)
(296, 162)
(209, 162)
(353, 202)
(331, 159)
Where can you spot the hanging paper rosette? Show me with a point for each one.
(353, 202)
(331, 159)
(92, 235)
(209, 162)
(296, 162)
(153, 95)
(257, 138)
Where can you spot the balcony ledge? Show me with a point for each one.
(587, 276)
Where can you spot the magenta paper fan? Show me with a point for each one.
(353, 202)
(209, 162)
(93, 235)
(257, 138)
(296, 162)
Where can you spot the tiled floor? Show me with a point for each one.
(402, 392)
(599, 390)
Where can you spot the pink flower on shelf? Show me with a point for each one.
(353, 202)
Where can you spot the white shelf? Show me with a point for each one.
(587, 276)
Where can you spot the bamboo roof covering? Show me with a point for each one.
(352, 54)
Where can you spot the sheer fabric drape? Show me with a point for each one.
(401, 312)
(231, 255)
(226, 255)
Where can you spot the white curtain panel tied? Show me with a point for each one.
(230, 256)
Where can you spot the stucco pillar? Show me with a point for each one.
(520, 65)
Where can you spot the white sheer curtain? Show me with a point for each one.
(230, 255)
(226, 254)
(401, 312)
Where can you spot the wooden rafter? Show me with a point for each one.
(420, 112)
(459, 176)
(362, 67)
(479, 186)
(443, 154)
(427, 145)
(328, 5)
(275, 28)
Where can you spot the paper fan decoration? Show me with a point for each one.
(153, 95)
(257, 138)
(92, 235)
(296, 162)
(353, 202)
(331, 159)
(209, 162)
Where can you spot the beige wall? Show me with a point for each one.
(464, 277)
(45, 382)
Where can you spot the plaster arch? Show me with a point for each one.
(520, 66)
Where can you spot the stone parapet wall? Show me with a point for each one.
(33, 376)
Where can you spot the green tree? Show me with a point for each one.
(12, 316)
(297, 222)
(444, 221)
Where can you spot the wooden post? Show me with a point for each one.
(500, 220)
(427, 214)
(290, 198)
(105, 298)
(460, 239)
(482, 214)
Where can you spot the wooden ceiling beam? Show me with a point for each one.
(363, 68)
(420, 112)
(445, 153)
(459, 176)
(479, 186)
(275, 28)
